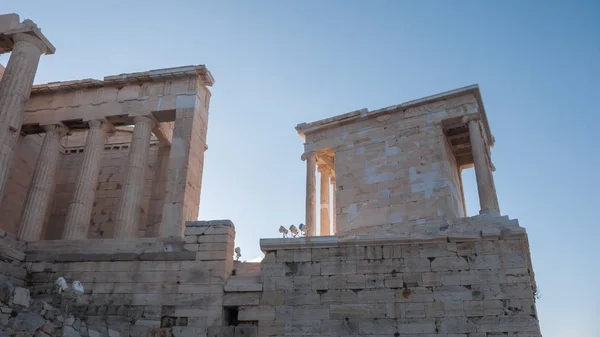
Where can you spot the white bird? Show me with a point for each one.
(78, 287)
(62, 284)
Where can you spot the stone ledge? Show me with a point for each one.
(78, 257)
(140, 77)
(466, 229)
(205, 223)
(305, 128)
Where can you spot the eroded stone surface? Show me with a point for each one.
(404, 261)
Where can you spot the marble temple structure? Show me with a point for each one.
(100, 183)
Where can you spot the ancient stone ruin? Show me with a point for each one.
(100, 184)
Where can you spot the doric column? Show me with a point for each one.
(15, 88)
(311, 192)
(488, 201)
(42, 183)
(133, 185)
(324, 191)
(80, 208)
(334, 215)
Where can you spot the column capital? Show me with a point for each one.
(471, 117)
(309, 155)
(61, 130)
(22, 37)
(324, 169)
(102, 124)
(145, 119)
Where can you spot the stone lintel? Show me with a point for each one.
(358, 115)
(164, 132)
(10, 25)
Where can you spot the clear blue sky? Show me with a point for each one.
(279, 63)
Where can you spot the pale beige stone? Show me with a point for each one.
(80, 208)
(325, 222)
(15, 88)
(133, 185)
(42, 184)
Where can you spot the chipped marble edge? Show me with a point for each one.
(147, 76)
(304, 128)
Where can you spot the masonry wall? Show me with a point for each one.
(12, 267)
(139, 285)
(453, 171)
(23, 163)
(108, 191)
(395, 168)
(186, 161)
(466, 284)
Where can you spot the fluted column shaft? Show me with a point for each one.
(311, 192)
(133, 185)
(334, 213)
(80, 208)
(488, 200)
(42, 183)
(15, 88)
(324, 192)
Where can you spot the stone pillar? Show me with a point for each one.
(334, 213)
(324, 191)
(488, 201)
(311, 193)
(80, 208)
(132, 193)
(42, 183)
(15, 88)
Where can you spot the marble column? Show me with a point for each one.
(42, 183)
(334, 213)
(80, 208)
(488, 201)
(15, 88)
(311, 192)
(324, 191)
(132, 193)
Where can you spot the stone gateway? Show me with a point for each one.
(100, 185)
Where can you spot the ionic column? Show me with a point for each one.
(488, 200)
(324, 190)
(311, 193)
(15, 88)
(133, 185)
(42, 182)
(334, 216)
(80, 208)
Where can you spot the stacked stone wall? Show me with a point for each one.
(141, 286)
(12, 268)
(462, 279)
(395, 168)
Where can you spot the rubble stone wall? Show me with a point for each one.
(12, 268)
(395, 167)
